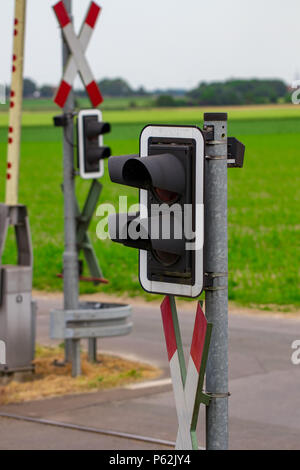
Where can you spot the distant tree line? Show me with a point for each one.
(32, 90)
(116, 87)
(238, 92)
(229, 92)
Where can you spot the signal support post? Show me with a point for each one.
(184, 166)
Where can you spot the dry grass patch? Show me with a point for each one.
(50, 380)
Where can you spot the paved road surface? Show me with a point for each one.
(265, 388)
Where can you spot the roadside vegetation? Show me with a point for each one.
(51, 380)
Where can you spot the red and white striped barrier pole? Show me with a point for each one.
(77, 61)
(188, 385)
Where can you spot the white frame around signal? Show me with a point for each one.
(81, 115)
(166, 287)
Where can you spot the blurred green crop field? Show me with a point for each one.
(264, 201)
(114, 103)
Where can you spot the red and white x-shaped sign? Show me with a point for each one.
(77, 61)
(187, 385)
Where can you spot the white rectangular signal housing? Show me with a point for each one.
(83, 117)
(190, 133)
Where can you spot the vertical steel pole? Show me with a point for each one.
(16, 101)
(216, 272)
(92, 349)
(72, 347)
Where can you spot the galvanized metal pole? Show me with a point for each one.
(92, 349)
(216, 272)
(72, 347)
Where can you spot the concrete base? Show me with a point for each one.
(22, 375)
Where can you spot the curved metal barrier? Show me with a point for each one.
(91, 320)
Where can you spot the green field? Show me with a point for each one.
(264, 198)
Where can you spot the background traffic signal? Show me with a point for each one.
(169, 228)
(91, 151)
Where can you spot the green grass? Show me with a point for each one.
(118, 103)
(264, 198)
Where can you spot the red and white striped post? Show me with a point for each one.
(77, 61)
(16, 101)
(188, 385)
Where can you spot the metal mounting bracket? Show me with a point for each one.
(213, 281)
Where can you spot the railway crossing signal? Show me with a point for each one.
(169, 228)
(91, 151)
(169, 171)
(77, 61)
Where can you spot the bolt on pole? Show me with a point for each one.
(70, 270)
(216, 269)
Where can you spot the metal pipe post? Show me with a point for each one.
(72, 347)
(92, 350)
(216, 273)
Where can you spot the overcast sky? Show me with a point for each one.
(165, 43)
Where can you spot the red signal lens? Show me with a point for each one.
(167, 259)
(165, 195)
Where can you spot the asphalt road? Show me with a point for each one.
(264, 386)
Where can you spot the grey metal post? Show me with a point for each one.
(92, 349)
(216, 272)
(72, 348)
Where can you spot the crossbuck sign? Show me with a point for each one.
(187, 384)
(77, 61)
